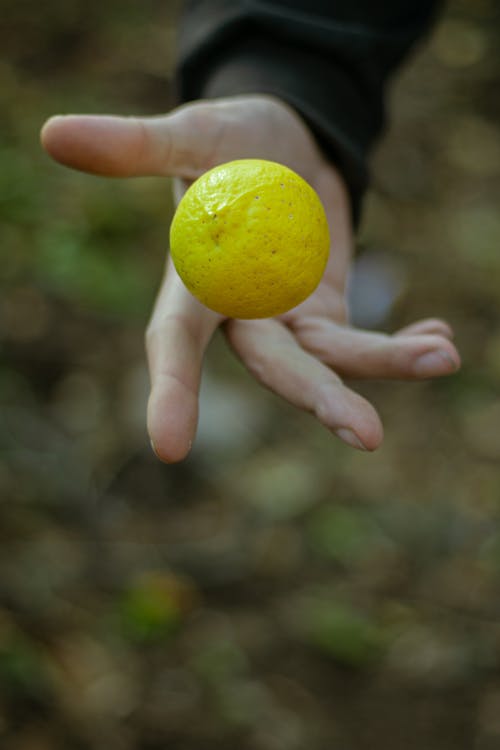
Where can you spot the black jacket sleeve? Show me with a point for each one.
(330, 59)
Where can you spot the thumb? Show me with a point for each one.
(179, 144)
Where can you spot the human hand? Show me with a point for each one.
(301, 355)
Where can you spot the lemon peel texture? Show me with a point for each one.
(250, 239)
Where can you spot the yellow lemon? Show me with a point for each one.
(250, 239)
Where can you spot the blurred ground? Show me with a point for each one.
(277, 591)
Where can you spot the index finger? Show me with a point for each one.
(179, 143)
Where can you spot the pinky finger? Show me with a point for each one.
(434, 326)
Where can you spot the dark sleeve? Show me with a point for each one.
(329, 59)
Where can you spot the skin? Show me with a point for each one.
(304, 355)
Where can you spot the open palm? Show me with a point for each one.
(301, 355)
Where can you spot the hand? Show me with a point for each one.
(301, 355)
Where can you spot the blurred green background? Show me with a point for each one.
(277, 591)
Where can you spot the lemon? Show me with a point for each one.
(250, 239)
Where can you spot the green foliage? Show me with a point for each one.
(220, 660)
(342, 632)
(148, 614)
(344, 534)
(21, 667)
(76, 268)
(19, 197)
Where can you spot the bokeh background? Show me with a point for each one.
(276, 591)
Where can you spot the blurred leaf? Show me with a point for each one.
(19, 188)
(220, 660)
(475, 232)
(344, 534)
(244, 703)
(22, 669)
(342, 632)
(280, 486)
(154, 607)
(78, 270)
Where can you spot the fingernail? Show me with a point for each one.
(439, 362)
(349, 437)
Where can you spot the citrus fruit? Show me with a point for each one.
(250, 239)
